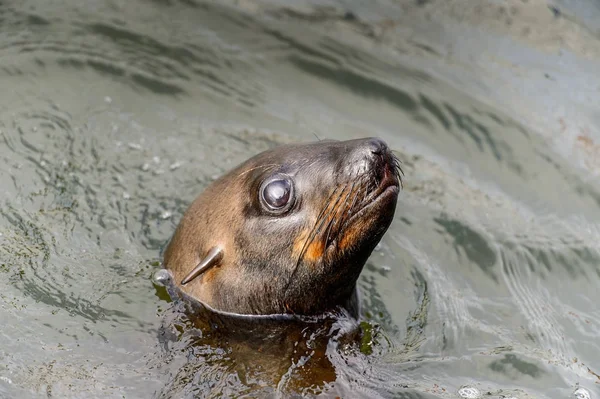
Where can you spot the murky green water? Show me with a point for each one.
(114, 115)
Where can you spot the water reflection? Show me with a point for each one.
(254, 355)
(116, 114)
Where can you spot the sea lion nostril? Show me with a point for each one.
(376, 151)
(377, 146)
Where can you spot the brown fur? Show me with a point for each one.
(305, 261)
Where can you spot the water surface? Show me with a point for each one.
(114, 115)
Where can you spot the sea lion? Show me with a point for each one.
(289, 230)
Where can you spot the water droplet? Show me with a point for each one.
(146, 167)
(469, 392)
(156, 159)
(165, 215)
(162, 277)
(126, 195)
(175, 165)
(6, 379)
(582, 393)
(386, 268)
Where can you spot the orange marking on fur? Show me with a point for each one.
(350, 237)
(208, 275)
(299, 242)
(314, 251)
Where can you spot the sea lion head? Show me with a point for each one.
(289, 230)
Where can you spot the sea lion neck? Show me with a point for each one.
(294, 224)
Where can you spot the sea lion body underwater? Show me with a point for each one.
(289, 230)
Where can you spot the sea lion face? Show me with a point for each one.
(295, 224)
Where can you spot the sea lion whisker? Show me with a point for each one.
(329, 226)
(267, 166)
(397, 164)
(321, 217)
(314, 232)
(365, 193)
(346, 213)
(319, 224)
(327, 204)
(353, 190)
(333, 220)
(353, 202)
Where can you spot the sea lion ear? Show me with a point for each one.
(213, 258)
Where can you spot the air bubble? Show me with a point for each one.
(469, 392)
(582, 393)
(161, 277)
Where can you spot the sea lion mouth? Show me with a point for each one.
(381, 185)
(357, 211)
(386, 191)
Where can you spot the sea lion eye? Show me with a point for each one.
(277, 193)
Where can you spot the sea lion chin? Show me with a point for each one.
(287, 231)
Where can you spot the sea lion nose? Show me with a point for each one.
(379, 159)
(376, 146)
(377, 153)
(371, 154)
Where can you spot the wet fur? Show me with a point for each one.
(304, 262)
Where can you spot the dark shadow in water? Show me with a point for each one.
(37, 20)
(479, 133)
(358, 84)
(436, 111)
(334, 71)
(579, 186)
(473, 245)
(145, 44)
(160, 61)
(511, 365)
